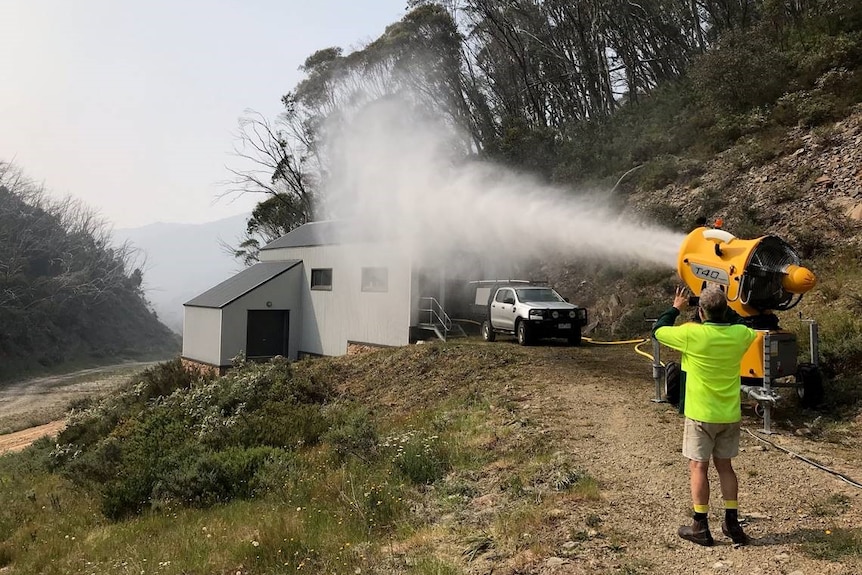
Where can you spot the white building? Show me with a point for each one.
(318, 290)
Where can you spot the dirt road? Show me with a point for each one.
(35, 407)
(21, 439)
(598, 402)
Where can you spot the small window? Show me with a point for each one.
(321, 279)
(375, 279)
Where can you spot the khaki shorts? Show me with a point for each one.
(700, 441)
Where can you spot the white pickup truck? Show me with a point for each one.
(530, 312)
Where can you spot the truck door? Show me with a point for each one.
(503, 309)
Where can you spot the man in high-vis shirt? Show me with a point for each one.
(711, 355)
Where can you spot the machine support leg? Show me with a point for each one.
(767, 418)
(767, 385)
(813, 342)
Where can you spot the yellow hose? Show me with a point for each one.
(638, 342)
(638, 349)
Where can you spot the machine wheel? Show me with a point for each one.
(809, 385)
(671, 383)
(523, 333)
(575, 338)
(487, 331)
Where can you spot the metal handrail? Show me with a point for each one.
(436, 312)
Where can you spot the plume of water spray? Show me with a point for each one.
(408, 178)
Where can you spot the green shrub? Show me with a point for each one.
(841, 342)
(129, 468)
(352, 434)
(422, 459)
(819, 54)
(165, 378)
(658, 173)
(810, 108)
(746, 70)
(200, 445)
(91, 425)
(635, 323)
(212, 477)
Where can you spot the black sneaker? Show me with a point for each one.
(697, 532)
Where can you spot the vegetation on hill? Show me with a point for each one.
(67, 295)
(470, 458)
(442, 458)
(576, 95)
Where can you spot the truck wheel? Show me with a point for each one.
(575, 337)
(487, 331)
(523, 332)
(809, 385)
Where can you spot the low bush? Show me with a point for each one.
(199, 445)
(658, 173)
(421, 458)
(806, 108)
(352, 433)
(211, 477)
(841, 341)
(91, 423)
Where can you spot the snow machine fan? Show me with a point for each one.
(759, 276)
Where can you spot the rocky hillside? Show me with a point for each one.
(808, 192)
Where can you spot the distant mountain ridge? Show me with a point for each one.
(183, 260)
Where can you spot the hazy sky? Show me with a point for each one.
(132, 105)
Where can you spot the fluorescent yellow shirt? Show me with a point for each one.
(711, 354)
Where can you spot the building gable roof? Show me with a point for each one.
(324, 233)
(242, 283)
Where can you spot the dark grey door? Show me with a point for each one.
(267, 333)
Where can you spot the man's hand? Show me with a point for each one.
(680, 299)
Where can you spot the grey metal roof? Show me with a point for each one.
(325, 233)
(237, 286)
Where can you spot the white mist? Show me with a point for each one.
(406, 175)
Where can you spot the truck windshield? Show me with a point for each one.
(538, 294)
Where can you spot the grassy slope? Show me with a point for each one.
(468, 471)
(446, 406)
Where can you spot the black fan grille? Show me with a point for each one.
(763, 289)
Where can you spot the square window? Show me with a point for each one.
(321, 279)
(375, 279)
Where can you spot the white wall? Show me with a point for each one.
(202, 334)
(345, 314)
(284, 292)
